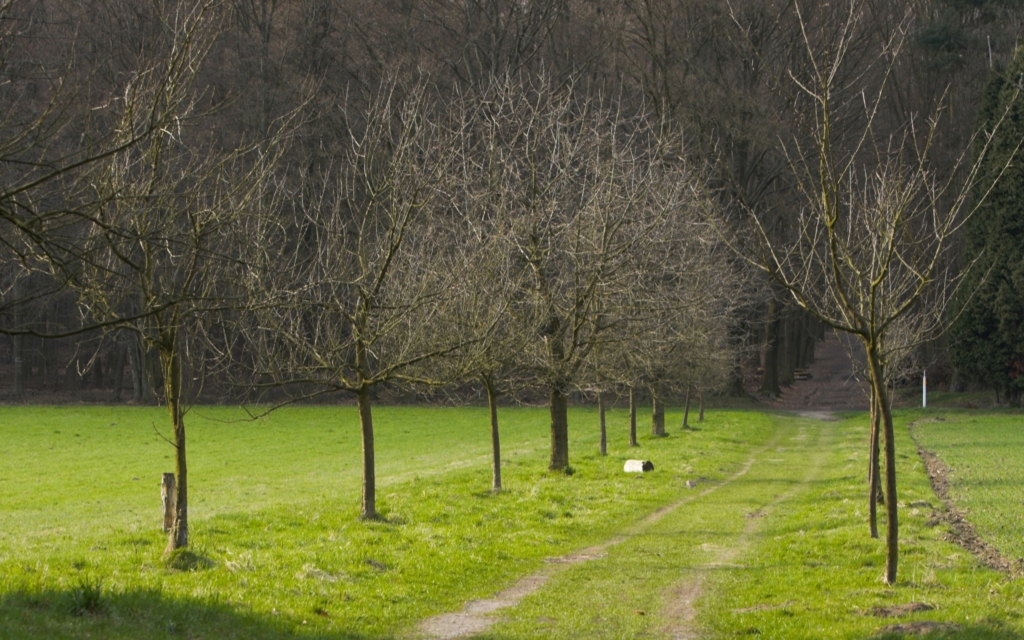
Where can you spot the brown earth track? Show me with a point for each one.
(477, 616)
(961, 531)
(833, 385)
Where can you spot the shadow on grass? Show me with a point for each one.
(85, 611)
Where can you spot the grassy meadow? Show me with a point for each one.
(273, 515)
(771, 542)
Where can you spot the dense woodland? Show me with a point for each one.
(263, 202)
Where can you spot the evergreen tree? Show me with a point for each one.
(988, 338)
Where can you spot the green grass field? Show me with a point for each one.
(274, 506)
(771, 543)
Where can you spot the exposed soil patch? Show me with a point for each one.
(918, 628)
(680, 608)
(897, 610)
(962, 532)
(474, 618)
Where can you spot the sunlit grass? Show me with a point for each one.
(782, 552)
(277, 546)
(985, 456)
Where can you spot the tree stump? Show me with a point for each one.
(168, 496)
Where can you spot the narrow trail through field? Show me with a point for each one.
(791, 461)
(477, 615)
(679, 610)
(832, 386)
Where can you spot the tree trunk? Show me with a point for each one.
(135, 362)
(735, 384)
(17, 347)
(118, 372)
(874, 484)
(600, 416)
(368, 510)
(686, 409)
(559, 429)
(700, 398)
(892, 517)
(97, 371)
(167, 497)
(153, 376)
(492, 404)
(787, 349)
(632, 418)
(770, 368)
(657, 412)
(169, 361)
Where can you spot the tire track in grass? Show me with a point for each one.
(680, 610)
(962, 532)
(477, 616)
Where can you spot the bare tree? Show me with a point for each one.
(871, 246)
(683, 293)
(346, 289)
(577, 188)
(154, 249)
(486, 309)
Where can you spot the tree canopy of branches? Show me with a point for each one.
(577, 195)
(345, 286)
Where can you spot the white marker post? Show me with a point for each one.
(924, 389)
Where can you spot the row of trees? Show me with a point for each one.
(283, 202)
(717, 71)
(523, 233)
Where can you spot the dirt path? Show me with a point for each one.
(478, 615)
(680, 611)
(832, 385)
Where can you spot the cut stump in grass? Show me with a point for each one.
(167, 496)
